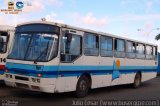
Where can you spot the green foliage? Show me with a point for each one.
(157, 37)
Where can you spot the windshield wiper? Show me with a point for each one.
(28, 47)
(43, 52)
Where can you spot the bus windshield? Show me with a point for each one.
(34, 47)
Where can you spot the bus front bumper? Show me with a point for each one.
(40, 87)
(1, 76)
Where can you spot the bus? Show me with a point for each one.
(6, 36)
(54, 58)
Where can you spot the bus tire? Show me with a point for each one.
(137, 80)
(83, 86)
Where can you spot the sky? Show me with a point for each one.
(118, 17)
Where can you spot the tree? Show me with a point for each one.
(157, 37)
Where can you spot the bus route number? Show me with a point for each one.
(2, 60)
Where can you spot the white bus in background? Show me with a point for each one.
(6, 36)
(53, 58)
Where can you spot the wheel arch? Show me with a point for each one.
(139, 72)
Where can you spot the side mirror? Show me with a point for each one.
(69, 37)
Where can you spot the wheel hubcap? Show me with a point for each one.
(83, 85)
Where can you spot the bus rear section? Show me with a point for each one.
(51, 57)
(6, 36)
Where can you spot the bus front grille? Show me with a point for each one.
(21, 78)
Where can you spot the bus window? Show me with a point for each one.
(119, 48)
(149, 52)
(3, 42)
(130, 49)
(154, 52)
(91, 44)
(106, 46)
(71, 47)
(140, 51)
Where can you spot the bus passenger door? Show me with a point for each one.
(70, 60)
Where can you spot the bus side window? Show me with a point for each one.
(154, 52)
(119, 48)
(130, 49)
(106, 46)
(91, 44)
(140, 51)
(149, 52)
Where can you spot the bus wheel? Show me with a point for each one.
(83, 86)
(137, 80)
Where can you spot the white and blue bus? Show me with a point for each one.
(52, 57)
(6, 36)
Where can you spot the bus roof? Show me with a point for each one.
(82, 29)
(6, 28)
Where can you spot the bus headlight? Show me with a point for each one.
(33, 80)
(7, 75)
(36, 80)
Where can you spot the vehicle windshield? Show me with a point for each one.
(3, 42)
(34, 46)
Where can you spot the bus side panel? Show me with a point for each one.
(105, 64)
(131, 66)
(66, 84)
(101, 80)
(68, 76)
(148, 76)
(127, 78)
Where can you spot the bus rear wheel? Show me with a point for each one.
(137, 80)
(83, 86)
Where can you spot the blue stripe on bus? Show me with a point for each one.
(1, 72)
(74, 68)
(52, 71)
(77, 72)
(22, 66)
(158, 69)
(47, 74)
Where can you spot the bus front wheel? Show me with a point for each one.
(83, 86)
(137, 80)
